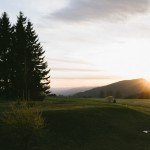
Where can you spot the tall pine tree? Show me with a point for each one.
(23, 71)
(30, 73)
(18, 55)
(5, 50)
(37, 78)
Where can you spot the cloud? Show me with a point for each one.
(93, 77)
(85, 10)
(67, 61)
(75, 70)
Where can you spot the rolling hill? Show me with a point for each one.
(69, 91)
(123, 89)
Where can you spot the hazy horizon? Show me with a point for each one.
(89, 43)
(68, 91)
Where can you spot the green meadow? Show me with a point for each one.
(89, 124)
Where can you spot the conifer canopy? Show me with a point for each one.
(24, 73)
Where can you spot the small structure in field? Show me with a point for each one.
(110, 99)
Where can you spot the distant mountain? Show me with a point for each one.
(122, 89)
(69, 91)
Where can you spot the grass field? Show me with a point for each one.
(92, 124)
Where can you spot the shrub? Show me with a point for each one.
(109, 99)
(22, 125)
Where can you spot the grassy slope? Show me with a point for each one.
(79, 124)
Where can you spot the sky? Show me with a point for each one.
(89, 43)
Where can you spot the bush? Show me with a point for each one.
(109, 99)
(22, 125)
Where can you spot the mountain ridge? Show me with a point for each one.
(120, 89)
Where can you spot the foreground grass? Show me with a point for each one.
(93, 124)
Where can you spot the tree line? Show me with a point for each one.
(24, 73)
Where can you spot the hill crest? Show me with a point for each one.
(120, 89)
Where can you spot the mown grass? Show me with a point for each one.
(93, 124)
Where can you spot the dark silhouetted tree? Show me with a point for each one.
(23, 70)
(18, 55)
(36, 72)
(102, 94)
(118, 94)
(5, 50)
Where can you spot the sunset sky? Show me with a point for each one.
(90, 42)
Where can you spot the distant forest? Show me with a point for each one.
(24, 73)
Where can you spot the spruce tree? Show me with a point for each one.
(30, 74)
(18, 54)
(23, 70)
(37, 78)
(5, 50)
